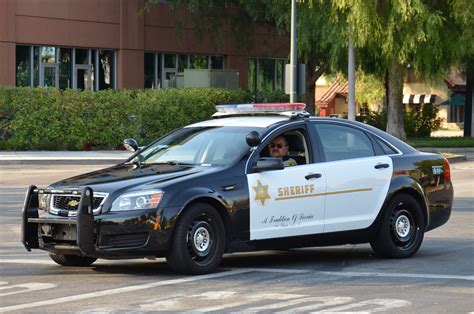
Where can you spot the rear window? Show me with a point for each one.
(386, 149)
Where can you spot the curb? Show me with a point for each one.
(453, 150)
(61, 161)
(456, 159)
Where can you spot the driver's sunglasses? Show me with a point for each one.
(279, 146)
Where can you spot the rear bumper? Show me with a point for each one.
(440, 206)
(131, 234)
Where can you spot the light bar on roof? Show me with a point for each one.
(260, 108)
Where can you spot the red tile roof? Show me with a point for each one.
(338, 87)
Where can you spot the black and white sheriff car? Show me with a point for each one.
(212, 188)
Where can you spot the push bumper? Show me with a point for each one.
(111, 236)
(84, 223)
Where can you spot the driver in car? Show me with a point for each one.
(278, 147)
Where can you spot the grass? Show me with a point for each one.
(449, 142)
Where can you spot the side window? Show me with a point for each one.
(341, 142)
(290, 146)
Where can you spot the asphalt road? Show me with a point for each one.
(440, 278)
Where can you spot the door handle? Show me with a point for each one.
(381, 166)
(312, 176)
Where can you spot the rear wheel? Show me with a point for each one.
(402, 228)
(198, 241)
(72, 260)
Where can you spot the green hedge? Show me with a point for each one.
(418, 123)
(50, 119)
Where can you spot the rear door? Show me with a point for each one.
(357, 180)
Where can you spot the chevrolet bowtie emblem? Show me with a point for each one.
(73, 203)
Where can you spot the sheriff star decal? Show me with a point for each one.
(261, 192)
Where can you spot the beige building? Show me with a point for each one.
(448, 94)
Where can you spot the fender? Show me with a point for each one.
(195, 193)
(191, 195)
(401, 183)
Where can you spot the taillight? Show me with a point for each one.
(447, 170)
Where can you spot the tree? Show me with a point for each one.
(238, 18)
(429, 35)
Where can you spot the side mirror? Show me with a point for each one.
(268, 163)
(253, 139)
(130, 144)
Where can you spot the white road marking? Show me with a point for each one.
(278, 270)
(397, 275)
(101, 310)
(161, 304)
(118, 291)
(248, 299)
(320, 302)
(25, 287)
(27, 261)
(24, 254)
(291, 271)
(381, 305)
(216, 295)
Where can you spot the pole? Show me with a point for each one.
(293, 55)
(468, 112)
(351, 74)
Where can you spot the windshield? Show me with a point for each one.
(209, 146)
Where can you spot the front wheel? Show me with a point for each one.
(402, 228)
(72, 260)
(198, 241)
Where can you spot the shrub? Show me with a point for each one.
(376, 119)
(50, 119)
(419, 122)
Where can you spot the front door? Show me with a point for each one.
(84, 77)
(287, 202)
(284, 203)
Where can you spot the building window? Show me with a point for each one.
(456, 114)
(106, 69)
(150, 79)
(266, 75)
(65, 68)
(62, 68)
(199, 62)
(217, 62)
(23, 66)
(162, 69)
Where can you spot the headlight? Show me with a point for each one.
(43, 201)
(137, 200)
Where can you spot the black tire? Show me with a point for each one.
(402, 228)
(72, 260)
(198, 241)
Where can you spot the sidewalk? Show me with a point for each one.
(114, 157)
(463, 153)
(63, 157)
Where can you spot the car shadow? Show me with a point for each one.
(302, 258)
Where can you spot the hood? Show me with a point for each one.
(128, 175)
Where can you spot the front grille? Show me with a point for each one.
(62, 204)
(70, 202)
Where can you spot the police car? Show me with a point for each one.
(219, 186)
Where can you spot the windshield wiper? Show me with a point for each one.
(179, 163)
(172, 163)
